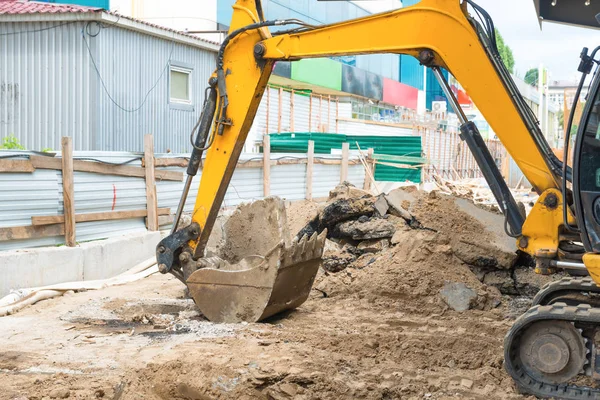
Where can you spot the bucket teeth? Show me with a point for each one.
(311, 246)
(303, 249)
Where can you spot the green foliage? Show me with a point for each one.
(561, 119)
(11, 142)
(46, 150)
(574, 129)
(505, 53)
(531, 77)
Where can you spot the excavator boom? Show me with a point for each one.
(246, 59)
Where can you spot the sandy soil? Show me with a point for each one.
(143, 341)
(376, 330)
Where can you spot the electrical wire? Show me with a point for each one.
(105, 88)
(27, 156)
(39, 30)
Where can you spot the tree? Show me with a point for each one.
(505, 53)
(531, 77)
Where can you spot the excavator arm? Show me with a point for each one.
(440, 34)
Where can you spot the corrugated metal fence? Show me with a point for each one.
(449, 157)
(408, 147)
(24, 195)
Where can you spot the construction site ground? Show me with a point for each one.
(377, 329)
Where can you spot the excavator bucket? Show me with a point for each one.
(260, 271)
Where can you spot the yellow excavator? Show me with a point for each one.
(552, 347)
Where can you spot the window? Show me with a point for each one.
(180, 85)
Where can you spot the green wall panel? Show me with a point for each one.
(318, 71)
(407, 146)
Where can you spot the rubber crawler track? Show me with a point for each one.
(583, 313)
(567, 285)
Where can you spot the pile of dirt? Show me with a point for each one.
(410, 246)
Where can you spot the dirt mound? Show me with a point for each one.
(380, 327)
(410, 275)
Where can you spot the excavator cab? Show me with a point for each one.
(586, 170)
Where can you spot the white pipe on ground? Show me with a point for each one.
(21, 298)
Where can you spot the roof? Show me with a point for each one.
(41, 11)
(562, 83)
(34, 7)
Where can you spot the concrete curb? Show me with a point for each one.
(94, 260)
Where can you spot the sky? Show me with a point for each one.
(556, 46)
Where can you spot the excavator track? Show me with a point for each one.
(548, 346)
(569, 290)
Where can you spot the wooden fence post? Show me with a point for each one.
(151, 201)
(369, 175)
(345, 154)
(280, 113)
(292, 125)
(328, 113)
(310, 96)
(68, 191)
(309, 169)
(268, 107)
(266, 165)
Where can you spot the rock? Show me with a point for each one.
(289, 389)
(374, 228)
(502, 248)
(354, 192)
(60, 393)
(373, 246)
(484, 255)
(363, 218)
(528, 283)
(381, 205)
(340, 210)
(467, 383)
(501, 280)
(364, 261)
(99, 393)
(395, 199)
(345, 209)
(443, 249)
(458, 296)
(336, 259)
(346, 190)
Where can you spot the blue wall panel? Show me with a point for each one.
(434, 91)
(411, 72)
(89, 3)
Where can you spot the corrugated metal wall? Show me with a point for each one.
(49, 87)
(23, 195)
(131, 64)
(44, 84)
